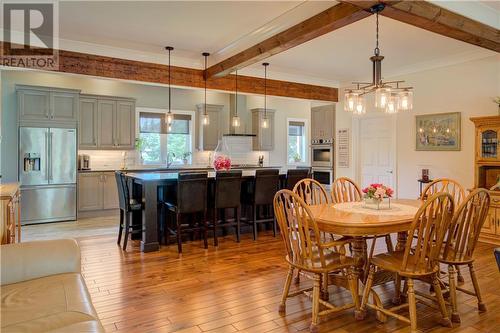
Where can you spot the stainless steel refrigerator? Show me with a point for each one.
(47, 172)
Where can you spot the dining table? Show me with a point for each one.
(361, 222)
(145, 187)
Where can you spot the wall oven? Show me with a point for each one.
(322, 155)
(323, 175)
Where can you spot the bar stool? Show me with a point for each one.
(127, 207)
(190, 198)
(260, 194)
(293, 176)
(226, 196)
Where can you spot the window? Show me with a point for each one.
(160, 142)
(296, 142)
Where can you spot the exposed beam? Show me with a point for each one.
(333, 18)
(442, 21)
(101, 66)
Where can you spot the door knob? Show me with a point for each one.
(389, 171)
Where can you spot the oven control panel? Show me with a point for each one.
(321, 141)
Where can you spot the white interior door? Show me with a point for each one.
(377, 151)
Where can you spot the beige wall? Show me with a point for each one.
(467, 88)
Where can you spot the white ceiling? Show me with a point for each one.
(140, 30)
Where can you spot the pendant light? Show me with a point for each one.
(236, 119)
(205, 118)
(170, 116)
(389, 96)
(265, 122)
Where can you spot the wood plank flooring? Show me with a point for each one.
(235, 288)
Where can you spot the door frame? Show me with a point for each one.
(357, 151)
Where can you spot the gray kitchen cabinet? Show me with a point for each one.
(44, 104)
(89, 191)
(97, 191)
(264, 137)
(323, 122)
(87, 134)
(107, 123)
(208, 136)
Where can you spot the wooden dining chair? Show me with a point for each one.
(460, 244)
(311, 191)
(307, 252)
(344, 189)
(457, 192)
(417, 261)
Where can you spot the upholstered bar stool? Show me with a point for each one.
(190, 199)
(226, 196)
(127, 207)
(293, 176)
(259, 195)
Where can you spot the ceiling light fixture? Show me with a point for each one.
(265, 122)
(389, 96)
(236, 120)
(170, 117)
(206, 118)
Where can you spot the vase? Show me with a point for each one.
(378, 204)
(222, 157)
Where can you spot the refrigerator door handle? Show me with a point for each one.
(50, 154)
(46, 157)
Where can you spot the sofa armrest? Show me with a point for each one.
(31, 260)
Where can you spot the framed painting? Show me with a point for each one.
(438, 132)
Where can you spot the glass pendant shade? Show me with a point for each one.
(350, 99)
(405, 102)
(359, 105)
(391, 106)
(265, 123)
(236, 121)
(205, 119)
(382, 96)
(170, 118)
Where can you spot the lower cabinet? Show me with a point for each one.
(491, 228)
(97, 191)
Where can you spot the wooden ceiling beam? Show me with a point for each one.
(108, 67)
(331, 19)
(442, 21)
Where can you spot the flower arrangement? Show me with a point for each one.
(222, 162)
(378, 192)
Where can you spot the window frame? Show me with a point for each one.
(192, 134)
(306, 160)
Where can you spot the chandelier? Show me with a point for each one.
(390, 96)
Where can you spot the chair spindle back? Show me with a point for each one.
(445, 185)
(345, 190)
(311, 192)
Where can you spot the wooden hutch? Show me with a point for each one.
(487, 171)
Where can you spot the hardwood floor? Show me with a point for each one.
(235, 288)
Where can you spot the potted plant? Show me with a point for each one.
(185, 157)
(497, 101)
(378, 196)
(297, 158)
(139, 145)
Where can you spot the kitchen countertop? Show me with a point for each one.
(177, 169)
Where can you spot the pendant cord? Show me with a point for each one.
(205, 112)
(236, 95)
(377, 50)
(169, 88)
(265, 91)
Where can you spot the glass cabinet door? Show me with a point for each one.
(489, 144)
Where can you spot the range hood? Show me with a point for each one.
(245, 128)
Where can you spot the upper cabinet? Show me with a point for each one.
(47, 106)
(487, 136)
(323, 122)
(208, 136)
(106, 123)
(264, 137)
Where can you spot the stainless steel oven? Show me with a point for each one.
(323, 175)
(322, 155)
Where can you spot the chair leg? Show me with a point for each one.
(440, 299)
(274, 226)
(238, 227)
(360, 315)
(127, 229)
(352, 279)
(388, 242)
(412, 306)
(480, 305)
(216, 240)
(254, 216)
(452, 281)
(286, 290)
(120, 229)
(179, 236)
(324, 287)
(205, 230)
(460, 278)
(396, 300)
(297, 278)
(315, 304)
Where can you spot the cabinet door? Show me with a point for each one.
(90, 191)
(491, 221)
(488, 144)
(316, 124)
(64, 106)
(328, 121)
(106, 138)
(125, 124)
(211, 132)
(87, 128)
(110, 191)
(34, 105)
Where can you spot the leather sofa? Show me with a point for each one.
(42, 289)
